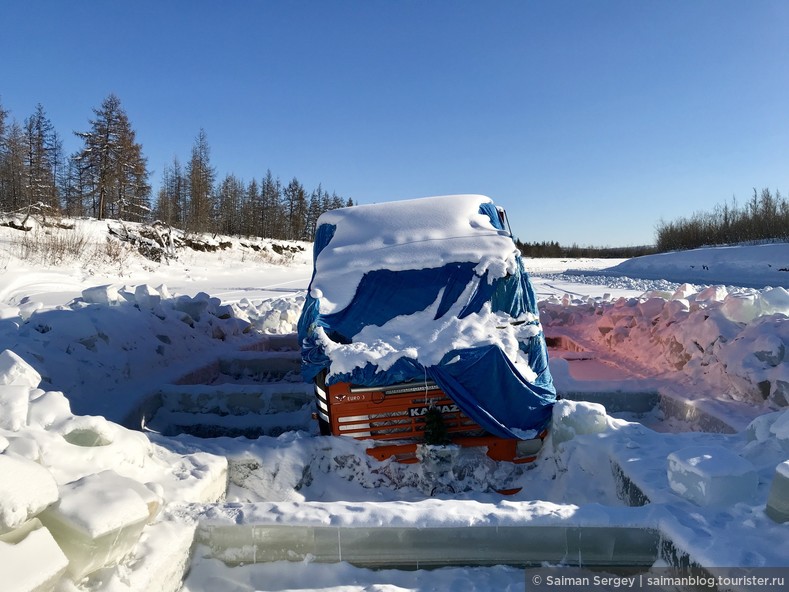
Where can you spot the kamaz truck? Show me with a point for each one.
(420, 325)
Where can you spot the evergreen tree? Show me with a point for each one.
(271, 212)
(201, 177)
(3, 156)
(313, 212)
(72, 189)
(112, 162)
(134, 191)
(230, 196)
(325, 202)
(171, 198)
(41, 160)
(295, 210)
(108, 177)
(3, 117)
(14, 171)
(336, 202)
(250, 222)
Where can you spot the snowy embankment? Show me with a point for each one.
(85, 341)
(752, 266)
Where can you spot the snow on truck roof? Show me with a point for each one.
(423, 233)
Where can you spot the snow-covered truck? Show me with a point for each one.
(421, 325)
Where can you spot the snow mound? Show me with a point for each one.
(733, 338)
(754, 266)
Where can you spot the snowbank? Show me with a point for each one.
(730, 339)
(754, 266)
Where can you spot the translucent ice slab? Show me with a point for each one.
(711, 475)
(30, 559)
(96, 521)
(778, 500)
(379, 547)
(26, 488)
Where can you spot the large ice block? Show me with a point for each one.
(26, 488)
(114, 481)
(779, 429)
(711, 475)
(23, 447)
(572, 418)
(107, 294)
(13, 406)
(201, 478)
(158, 563)
(778, 499)
(147, 297)
(14, 370)
(97, 521)
(425, 546)
(48, 409)
(30, 559)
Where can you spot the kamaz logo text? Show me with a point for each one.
(420, 411)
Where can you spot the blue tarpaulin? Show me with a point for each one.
(484, 383)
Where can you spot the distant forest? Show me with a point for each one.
(554, 249)
(108, 177)
(764, 218)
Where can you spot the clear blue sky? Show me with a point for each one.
(588, 120)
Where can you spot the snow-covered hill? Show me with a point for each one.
(90, 328)
(754, 266)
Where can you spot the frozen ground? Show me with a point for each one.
(693, 376)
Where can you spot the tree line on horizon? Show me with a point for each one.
(763, 218)
(108, 178)
(553, 249)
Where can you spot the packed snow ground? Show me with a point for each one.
(88, 337)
